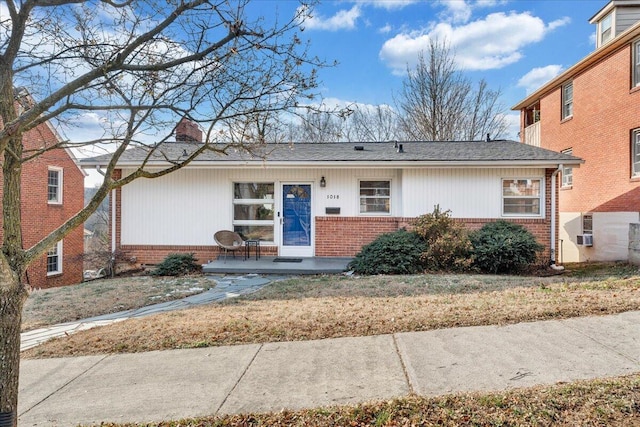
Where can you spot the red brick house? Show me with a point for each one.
(592, 111)
(326, 200)
(52, 192)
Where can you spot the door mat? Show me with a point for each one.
(287, 259)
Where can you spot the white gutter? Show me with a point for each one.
(553, 218)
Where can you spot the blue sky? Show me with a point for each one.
(514, 45)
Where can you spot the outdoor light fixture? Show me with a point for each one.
(323, 182)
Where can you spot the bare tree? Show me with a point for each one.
(438, 103)
(141, 65)
(372, 124)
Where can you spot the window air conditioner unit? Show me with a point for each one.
(584, 239)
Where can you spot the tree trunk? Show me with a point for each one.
(12, 297)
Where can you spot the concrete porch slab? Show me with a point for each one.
(266, 265)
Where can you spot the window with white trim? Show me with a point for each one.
(522, 197)
(567, 100)
(253, 207)
(54, 185)
(567, 171)
(375, 197)
(587, 224)
(605, 29)
(636, 63)
(635, 152)
(54, 259)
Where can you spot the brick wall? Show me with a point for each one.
(605, 111)
(39, 217)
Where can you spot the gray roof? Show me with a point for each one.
(336, 154)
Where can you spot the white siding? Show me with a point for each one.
(467, 193)
(188, 206)
(610, 236)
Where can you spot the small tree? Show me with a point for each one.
(447, 244)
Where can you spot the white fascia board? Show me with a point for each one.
(356, 164)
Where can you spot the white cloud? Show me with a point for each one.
(489, 43)
(513, 127)
(343, 20)
(387, 4)
(385, 30)
(538, 76)
(559, 23)
(456, 10)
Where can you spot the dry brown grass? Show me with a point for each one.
(46, 307)
(273, 315)
(611, 402)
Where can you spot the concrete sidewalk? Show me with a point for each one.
(167, 385)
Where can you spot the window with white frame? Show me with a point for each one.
(375, 197)
(567, 171)
(636, 63)
(54, 259)
(253, 207)
(567, 100)
(54, 185)
(587, 224)
(522, 197)
(605, 29)
(635, 152)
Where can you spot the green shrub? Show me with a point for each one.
(176, 265)
(391, 253)
(447, 244)
(504, 247)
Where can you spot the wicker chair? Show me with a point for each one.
(229, 242)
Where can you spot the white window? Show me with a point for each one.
(54, 185)
(54, 260)
(567, 171)
(587, 224)
(605, 29)
(522, 197)
(253, 207)
(567, 100)
(375, 197)
(635, 152)
(636, 63)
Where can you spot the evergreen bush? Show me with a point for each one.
(176, 265)
(398, 252)
(504, 247)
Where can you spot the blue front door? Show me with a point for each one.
(296, 224)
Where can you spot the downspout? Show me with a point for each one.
(553, 219)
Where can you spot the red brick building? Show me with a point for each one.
(592, 110)
(52, 192)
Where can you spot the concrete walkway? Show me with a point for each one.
(166, 385)
(226, 287)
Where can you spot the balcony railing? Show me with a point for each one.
(532, 134)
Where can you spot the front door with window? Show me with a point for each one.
(296, 220)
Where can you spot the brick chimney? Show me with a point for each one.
(188, 131)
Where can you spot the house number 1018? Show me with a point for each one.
(333, 196)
